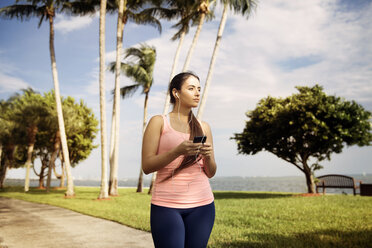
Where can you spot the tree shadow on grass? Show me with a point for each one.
(320, 238)
(248, 195)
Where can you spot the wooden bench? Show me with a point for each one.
(336, 181)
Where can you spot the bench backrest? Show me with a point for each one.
(336, 181)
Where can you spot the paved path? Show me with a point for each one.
(25, 224)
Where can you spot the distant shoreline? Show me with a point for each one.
(292, 184)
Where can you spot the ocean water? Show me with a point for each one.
(293, 184)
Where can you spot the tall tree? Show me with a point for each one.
(305, 128)
(187, 12)
(115, 122)
(129, 10)
(46, 10)
(244, 7)
(102, 101)
(200, 14)
(139, 68)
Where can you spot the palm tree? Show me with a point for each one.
(243, 7)
(115, 124)
(201, 12)
(102, 22)
(46, 10)
(190, 12)
(130, 10)
(139, 68)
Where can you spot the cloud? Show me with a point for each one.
(68, 24)
(11, 84)
(8, 81)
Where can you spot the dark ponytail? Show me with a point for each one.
(195, 126)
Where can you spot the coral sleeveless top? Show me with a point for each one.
(187, 189)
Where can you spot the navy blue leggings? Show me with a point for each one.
(179, 228)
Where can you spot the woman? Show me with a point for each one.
(182, 205)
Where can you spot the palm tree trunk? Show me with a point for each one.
(115, 129)
(194, 41)
(61, 124)
(140, 179)
(175, 63)
(167, 99)
(211, 65)
(30, 149)
(102, 22)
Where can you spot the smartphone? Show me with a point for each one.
(200, 139)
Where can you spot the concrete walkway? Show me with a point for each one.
(24, 224)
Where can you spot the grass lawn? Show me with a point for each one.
(243, 219)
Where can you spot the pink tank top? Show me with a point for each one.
(187, 189)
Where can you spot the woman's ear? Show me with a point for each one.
(175, 94)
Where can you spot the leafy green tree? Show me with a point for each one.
(243, 7)
(12, 139)
(29, 110)
(307, 126)
(139, 67)
(7, 129)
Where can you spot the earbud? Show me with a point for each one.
(177, 95)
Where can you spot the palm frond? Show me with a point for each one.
(163, 13)
(128, 91)
(111, 66)
(81, 7)
(22, 11)
(135, 72)
(143, 18)
(243, 7)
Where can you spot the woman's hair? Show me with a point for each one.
(195, 127)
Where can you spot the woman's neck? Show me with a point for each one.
(183, 113)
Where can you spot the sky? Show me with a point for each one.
(283, 44)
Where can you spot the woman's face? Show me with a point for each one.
(190, 92)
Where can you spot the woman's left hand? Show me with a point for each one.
(206, 150)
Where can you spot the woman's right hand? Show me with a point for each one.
(188, 148)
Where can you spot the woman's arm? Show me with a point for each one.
(151, 161)
(207, 152)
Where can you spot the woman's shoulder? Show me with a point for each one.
(205, 125)
(157, 120)
(155, 124)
